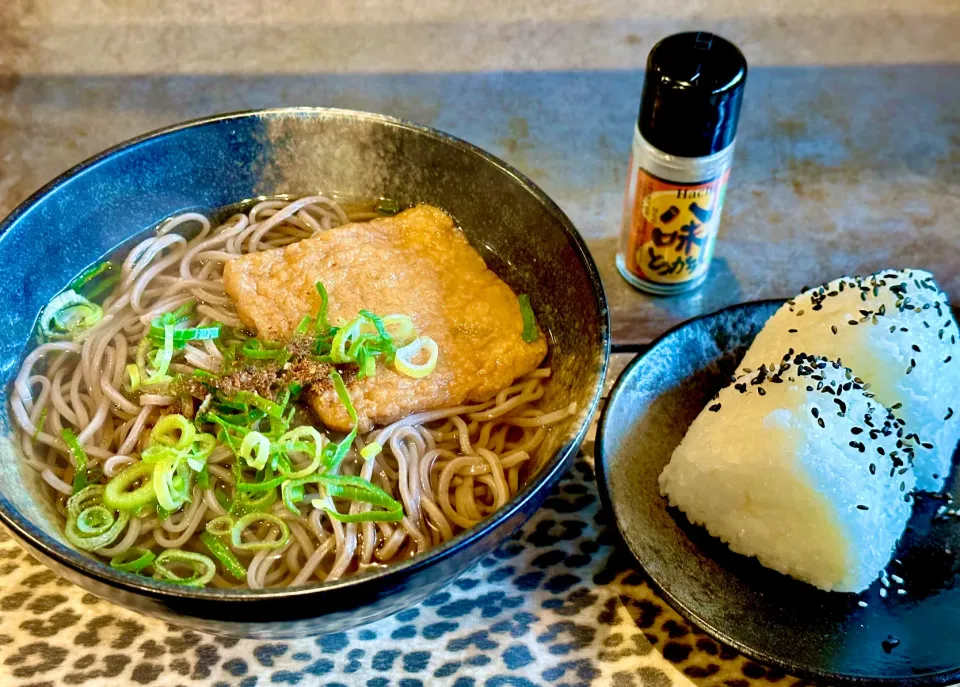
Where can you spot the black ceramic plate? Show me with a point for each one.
(767, 616)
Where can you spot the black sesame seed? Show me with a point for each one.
(915, 347)
(853, 323)
(792, 331)
(880, 450)
(761, 391)
(873, 469)
(895, 406)
(949, 414)
(820, 422)
(926, 445)
(815, 411)
(862, 507)
(856, 430)
(714, 408)
(948, 359)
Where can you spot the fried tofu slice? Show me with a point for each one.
(417, 263)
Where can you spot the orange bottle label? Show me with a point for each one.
(673, 228)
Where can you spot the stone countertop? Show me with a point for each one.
(848, 157)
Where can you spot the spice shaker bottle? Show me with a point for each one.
(680, 161)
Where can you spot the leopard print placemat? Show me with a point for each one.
(556, 605)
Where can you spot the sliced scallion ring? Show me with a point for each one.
(406, 355)
(371, 450)
(133, 375)
(220, 526)
(68, 315)
(174, 431)
(236, 534)
(170, 483)
(131, 488)
(89, 524)
(224, 555)
(201, 566)
(132, 560)
(255, 450)
(530, 332)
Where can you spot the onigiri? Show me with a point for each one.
(896, 331)
(800, 466)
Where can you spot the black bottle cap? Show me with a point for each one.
(692, 94)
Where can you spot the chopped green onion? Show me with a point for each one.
(89, 274)
(224, 555)
(103, 286)
(304, 326)
(133, 372)
(387, 207)
(154, 453)
(404, 360)
(89, 525)
(220, 526)
(204, 375)
(236, 534)
(530, 332)
(320, 323)
(400, 328)
(255, 450)
(132, 560)
(79, 457)
(255, 349)
(175, 431)
(371, 450)
(95, 520)
(261, 486)
(203, 477)
(68, 315)
(243, 504)
(40, 422)
(182, 336)
(171, 482)
(203, 446)
(358, 489)
(272, 409)
(293, 441)
(341, 449)
(164, 355)
(347, 333)
(131, 488)
(201, 566)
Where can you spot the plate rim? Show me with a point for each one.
(692, 616)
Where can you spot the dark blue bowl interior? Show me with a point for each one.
(209, 164)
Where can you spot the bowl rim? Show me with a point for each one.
(690, 613)
(88, 566)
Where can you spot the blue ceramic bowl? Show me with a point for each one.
(211, 163)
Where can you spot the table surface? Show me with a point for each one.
(848, 160)
(848, 157)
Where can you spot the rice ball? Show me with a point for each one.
(798, 465)
(896, 331)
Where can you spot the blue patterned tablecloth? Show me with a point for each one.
(556, 605)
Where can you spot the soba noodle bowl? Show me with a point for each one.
(88, 416)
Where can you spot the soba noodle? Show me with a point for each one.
(448, 468)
